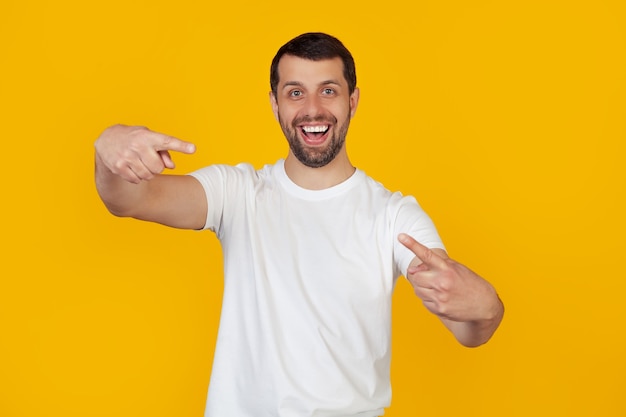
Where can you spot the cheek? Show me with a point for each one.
(286, 114)
(343, 111)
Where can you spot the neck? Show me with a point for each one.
(335, 172)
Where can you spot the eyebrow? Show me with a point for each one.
(299, 84)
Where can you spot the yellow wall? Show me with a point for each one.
(506, 119)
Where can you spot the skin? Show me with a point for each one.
(466, 303)
(130, 161)
(314, 89)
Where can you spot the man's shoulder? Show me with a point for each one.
(381, 189)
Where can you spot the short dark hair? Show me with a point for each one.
(315, 46)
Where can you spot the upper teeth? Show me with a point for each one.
(315, 129)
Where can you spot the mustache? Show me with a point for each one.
(317, 119)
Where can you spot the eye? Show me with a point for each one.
(328, 91)
(295, 93)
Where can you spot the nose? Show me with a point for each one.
(313, 106)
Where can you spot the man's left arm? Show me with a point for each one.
(466, 303)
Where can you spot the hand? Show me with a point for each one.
(447, 288)
(136, 153)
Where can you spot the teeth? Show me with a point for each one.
(315, 129)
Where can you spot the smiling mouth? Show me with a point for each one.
(314, 133)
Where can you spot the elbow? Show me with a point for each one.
(474, 342)
(117, 213)
(117, 210)
(118, 207)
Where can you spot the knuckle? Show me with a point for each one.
(442, 308)
(118, 166)
(138, 133)
(127, 155)
(445, 284)
(443, 298)
(427, 255)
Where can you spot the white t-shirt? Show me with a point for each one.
(305, 322)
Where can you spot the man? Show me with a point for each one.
(312, 249)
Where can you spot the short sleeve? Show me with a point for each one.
(224, 186)
(413, 220)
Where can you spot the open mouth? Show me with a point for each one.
(314, 134)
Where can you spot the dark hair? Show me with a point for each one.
(315, 46)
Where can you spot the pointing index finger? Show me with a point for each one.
(423, 253)
(170, 143)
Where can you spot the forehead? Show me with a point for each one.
(292, 69)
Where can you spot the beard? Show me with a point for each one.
(315, 157)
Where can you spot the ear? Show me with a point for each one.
(274, 104)
(354, 101)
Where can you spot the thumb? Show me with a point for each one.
(167, 159)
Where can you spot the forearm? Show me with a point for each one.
(477, 332)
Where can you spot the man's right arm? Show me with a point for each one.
(129, 161)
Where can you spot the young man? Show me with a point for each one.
(312, 249)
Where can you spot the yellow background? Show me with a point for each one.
(507, 120)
